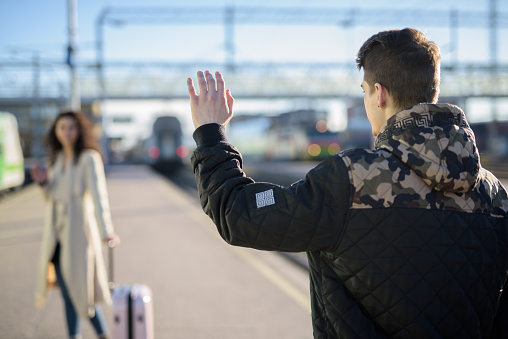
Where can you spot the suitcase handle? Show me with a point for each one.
(111, 281)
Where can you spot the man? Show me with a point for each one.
(408, 240)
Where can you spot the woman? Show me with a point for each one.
(77, 217)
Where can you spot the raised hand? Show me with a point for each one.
(214, 104)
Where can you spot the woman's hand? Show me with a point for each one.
(213, 104)
(112, 240)
(39, 175)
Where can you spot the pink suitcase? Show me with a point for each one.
(132, 312)
(132, 309)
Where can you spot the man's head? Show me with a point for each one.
(403, 65)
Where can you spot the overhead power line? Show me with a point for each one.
(297, 16)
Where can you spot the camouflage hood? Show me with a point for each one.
(437, 143)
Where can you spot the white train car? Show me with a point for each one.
(12, 171)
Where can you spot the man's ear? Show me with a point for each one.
(381, 94)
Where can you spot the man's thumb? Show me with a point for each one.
(230, 100)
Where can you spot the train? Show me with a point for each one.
(301, 135)
(12, 171)
(163, 149)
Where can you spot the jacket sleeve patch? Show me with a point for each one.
(265, 198)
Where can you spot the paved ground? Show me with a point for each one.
(202, 287)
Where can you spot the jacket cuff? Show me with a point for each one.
(209, 135)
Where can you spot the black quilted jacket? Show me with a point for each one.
(406, 241)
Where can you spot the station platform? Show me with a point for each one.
(202, 287)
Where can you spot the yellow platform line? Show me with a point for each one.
(275, 278)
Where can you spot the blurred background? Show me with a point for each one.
(290, 66)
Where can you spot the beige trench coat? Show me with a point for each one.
(78, 217)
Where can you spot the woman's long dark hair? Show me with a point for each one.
(85, 139)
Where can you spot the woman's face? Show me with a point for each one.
(67, 131)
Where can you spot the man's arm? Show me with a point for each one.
(307, 216)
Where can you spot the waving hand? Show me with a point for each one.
(214, 104)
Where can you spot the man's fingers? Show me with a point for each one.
(206, 83)
(190, 87)
(202, 83)
(210, 81)
(220, 83)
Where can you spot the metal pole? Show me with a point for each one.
(493, 33)
(75, 100)
(99, 49)
(36, 110)
(99, 45)
(454, 36)
(229, 30)
(493, 133)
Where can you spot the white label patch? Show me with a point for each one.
(265, 198)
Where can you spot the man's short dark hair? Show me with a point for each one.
(405, 62)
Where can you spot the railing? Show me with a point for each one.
(256, 80)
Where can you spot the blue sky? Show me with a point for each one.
(41, 26)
